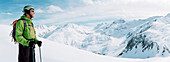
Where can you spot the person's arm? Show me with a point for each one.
(19, 33)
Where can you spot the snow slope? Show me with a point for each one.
(56, 52)
(8, 49)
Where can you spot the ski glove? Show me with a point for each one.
(39, 43)
(31, 44)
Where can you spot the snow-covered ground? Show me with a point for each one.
(56, 52)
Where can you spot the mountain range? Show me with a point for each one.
(143, 38)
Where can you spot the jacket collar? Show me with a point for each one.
(26, 19)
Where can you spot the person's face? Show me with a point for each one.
(32, 12)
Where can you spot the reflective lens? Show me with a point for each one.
(32, 10)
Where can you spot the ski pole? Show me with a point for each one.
(33, 58)
(40, 54)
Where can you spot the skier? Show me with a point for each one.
(26, 36)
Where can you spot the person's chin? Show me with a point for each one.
(32, 16)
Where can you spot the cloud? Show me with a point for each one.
(127, 9)
(88, 1)
(53, 9)
(108, 9)
(92, 2)
(6, 13)
(39, 11)
(50, 9)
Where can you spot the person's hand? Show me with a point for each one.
(31, 44)
(39, 43)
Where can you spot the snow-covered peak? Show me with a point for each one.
(71, 25)
(168, 15)
(119, 21)
(165, 19)
(42, 30)
(69, 34)
(150, 39)
(44, 26)
(106, 25)
(75, 27)
(41, 26)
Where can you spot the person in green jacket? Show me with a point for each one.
(26, 36)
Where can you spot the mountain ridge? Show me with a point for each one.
(120, 38)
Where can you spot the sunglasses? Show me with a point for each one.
(32, 10)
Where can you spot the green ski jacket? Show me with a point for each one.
(22, 36)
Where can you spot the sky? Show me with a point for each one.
(85, 12)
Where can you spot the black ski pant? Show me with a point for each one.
(26, 54)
